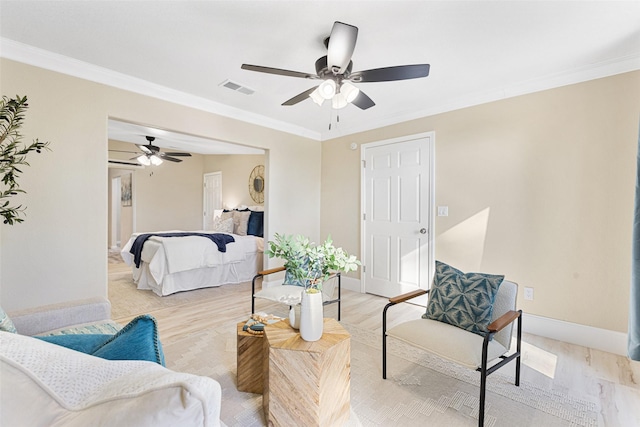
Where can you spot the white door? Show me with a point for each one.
(212, 198)
(397, 220)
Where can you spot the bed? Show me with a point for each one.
(173, 264)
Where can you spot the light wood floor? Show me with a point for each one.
(611, 379)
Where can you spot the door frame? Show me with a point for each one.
(431, 135)
(115, 211)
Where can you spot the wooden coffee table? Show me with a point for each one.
(306, 383)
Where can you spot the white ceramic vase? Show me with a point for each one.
(294, 316)
(311, 321)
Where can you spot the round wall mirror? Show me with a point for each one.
(256, 184)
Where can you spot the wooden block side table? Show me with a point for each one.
(250, 361)
(307, 383)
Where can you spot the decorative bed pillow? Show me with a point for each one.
(226, 215)
(255, 226)
(240, 222)
(138, 340)
(462, 299)
(223, 226)
(5, 322)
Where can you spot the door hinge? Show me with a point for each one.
(364, 164)
(364, 216)
(364, 268)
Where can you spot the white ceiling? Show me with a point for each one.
(479, 51)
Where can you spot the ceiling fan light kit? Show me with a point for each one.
(335, 71)
(143, 160)
(155, 160)
(327, 89)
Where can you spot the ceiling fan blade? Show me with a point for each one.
(362, 101)
(300, 97)
(278, 71)
(145, 149)
(342, 43)
(123, 151)
(164, 156)
(388, 74)
(167, 153)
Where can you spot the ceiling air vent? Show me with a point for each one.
(237, 87)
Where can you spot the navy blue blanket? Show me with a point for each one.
(219, 239)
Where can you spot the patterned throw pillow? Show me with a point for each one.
(223, 226)
(5, 323)
(462, 299)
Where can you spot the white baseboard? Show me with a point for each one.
(574, 333)
(350, 284)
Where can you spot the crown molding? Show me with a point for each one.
(577, 75)
(30, 55)
(41, 58)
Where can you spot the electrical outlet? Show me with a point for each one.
(443, 210)
(528, 294)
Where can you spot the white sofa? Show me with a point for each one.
(48, 385)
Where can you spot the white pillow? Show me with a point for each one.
(223, 225)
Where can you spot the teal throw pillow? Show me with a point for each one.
(5, 322)
(85, 343)
(138, 340)
(462, 299)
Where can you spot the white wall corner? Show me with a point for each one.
(574, 333)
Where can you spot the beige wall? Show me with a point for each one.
(60, 252)
(235, 177)
(542, 184)
(166, 197)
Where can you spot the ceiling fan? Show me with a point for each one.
(151, 154)
(335, 71)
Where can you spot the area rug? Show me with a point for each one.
(420, 389)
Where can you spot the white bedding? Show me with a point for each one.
(173, 264)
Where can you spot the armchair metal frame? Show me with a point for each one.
(279, 269)
(497, 325)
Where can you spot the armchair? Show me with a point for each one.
(290, 294)
(469, 349)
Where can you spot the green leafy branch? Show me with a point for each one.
(13, 155)
(309, 263)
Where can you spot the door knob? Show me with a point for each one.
(423, 231)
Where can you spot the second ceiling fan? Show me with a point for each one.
(153, 155)
(335, 71)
